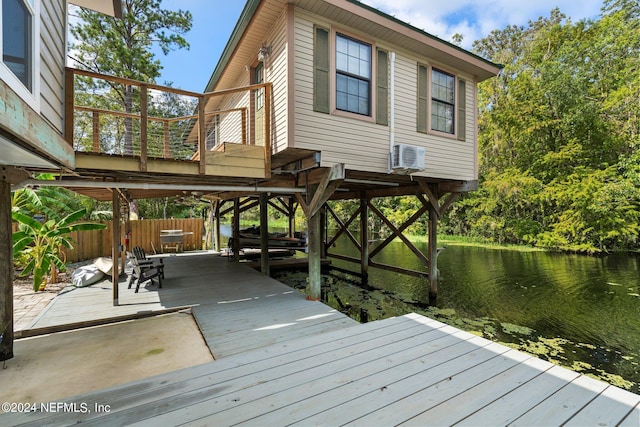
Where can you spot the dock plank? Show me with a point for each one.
(319, 402)
(505, 409)
(558, 408)
(632, 419)
(607, 409)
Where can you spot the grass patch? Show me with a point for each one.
(472, 241)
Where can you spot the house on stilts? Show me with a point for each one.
(311, 101)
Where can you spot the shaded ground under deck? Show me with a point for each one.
(283, 360)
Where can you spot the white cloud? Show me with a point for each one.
(476, 19)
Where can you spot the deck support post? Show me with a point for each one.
(264, 234)
(115, 239)
(433, 254)
(314, 242)
(215, 225)
(292, 217)
(323, 232)
(317, 196)
(364, 238)
(235, 230)
(6, 267)
(127, 231)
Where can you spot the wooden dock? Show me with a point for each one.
(322, 369)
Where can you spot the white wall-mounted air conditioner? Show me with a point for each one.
(407, 158)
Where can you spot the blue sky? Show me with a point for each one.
(213, 21)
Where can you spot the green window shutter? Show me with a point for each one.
(422, 99)
(462, 110)
(382, 85)
(321, 70)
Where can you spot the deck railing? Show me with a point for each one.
(122, 117)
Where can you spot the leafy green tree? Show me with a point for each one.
(559, 134)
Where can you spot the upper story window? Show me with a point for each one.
(353, 75)
(442, 101)
(17, 39)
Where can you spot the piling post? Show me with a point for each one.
(115, 242)
(314, 241)
(264, 234)
(235, 230)
(6, 269)
(364, 238)
(433, 253)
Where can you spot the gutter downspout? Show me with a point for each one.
(392, 106)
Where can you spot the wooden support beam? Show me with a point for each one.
(69, 101)
(264, 234)
(387, 267)
(6, 269)
(344, 227)
(431, 192)
(13, 175)
(397, 232)
(364, 238)
(283, 208)
(330, 180)
(292, 216)
(235, 230)
(314, 242)
(127, 230)
(216, 225)
(433, 253)
(115, 250)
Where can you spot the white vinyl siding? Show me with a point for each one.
(275, 69)
(362, 145)
(229, 127)
(276, 73)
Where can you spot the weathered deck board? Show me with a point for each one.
(285, 360)
(236, 308)
(409, 370)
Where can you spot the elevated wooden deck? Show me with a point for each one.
(322, 369)
(236, 307)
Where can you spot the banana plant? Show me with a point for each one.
(42, 243)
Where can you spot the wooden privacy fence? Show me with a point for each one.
(144, 233)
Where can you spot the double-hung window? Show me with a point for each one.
(353, 75)
(442, 101)
(17, 39)
(350, 77)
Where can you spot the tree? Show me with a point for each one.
(559, 134)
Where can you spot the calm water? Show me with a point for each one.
(579, 311)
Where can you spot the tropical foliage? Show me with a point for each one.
(45, 218)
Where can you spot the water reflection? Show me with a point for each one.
(581, 311)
